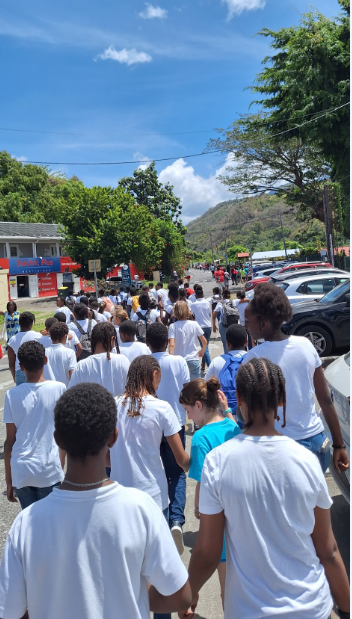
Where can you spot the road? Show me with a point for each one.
(210, 602)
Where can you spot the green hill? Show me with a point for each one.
(254, 220)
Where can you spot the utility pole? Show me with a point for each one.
(250, 257)
(328, 225)
(283, 236)
(95, 280)
(224, 231)
(211, 243)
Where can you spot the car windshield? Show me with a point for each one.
(284, 286)
(335, 293)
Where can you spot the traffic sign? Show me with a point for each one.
(97, 265)
(226, 256)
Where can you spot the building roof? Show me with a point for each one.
(35, 231)
(279, 253)
(243, 255)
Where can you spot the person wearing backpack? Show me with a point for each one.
(82, 327)
(144, 317)
(227, 315)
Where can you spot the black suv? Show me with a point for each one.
(326, 323)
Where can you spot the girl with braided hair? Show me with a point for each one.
(302, 369)
(269, 495)
(105, 366)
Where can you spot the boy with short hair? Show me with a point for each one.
(72, 341)
(129, 347)
(61, 361)
(46, 340)
(114, 540)
(32, 461)
(26, 322)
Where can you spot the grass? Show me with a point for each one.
(40, 318)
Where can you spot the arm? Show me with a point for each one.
(179, 601)
(330, 558)
(196, 500)
(79, 349)
(225, 405)
(203, 341)
(171, 345)
(215, 315)
(182, 458)
(70, 373)
(9, 443)
(340, 456)
(12, 361)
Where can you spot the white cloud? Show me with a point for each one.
(237, 6)
(140, 157)
(21, 158)
(152, 12)
(197, 193)
(125, 56)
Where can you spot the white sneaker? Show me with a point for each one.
(176, 532)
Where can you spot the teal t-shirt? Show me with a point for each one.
(207, 438)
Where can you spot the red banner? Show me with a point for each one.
(47, 284)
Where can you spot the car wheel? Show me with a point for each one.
(320, 338)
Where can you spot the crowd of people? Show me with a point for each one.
(95, 426)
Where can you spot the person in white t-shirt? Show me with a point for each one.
(26, 322)
(269, 495)
(103, 366)
(152, 292)
(236, 341)
(162, 293)
(32, 460)
(302, 369)
(46, 340)
(184, 337)
(72, 341)
(119, 316)
(98, 316)
(202, 313)
(174, 375)
(82, 324)
(167, 308)
(144, 311)
(241, 304)
(61, 307)
(129, 346)
(61, 361)
(106, 549)
(218, 313)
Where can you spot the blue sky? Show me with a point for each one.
(137, 72)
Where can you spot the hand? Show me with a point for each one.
(223, 401)
(196, 513)
(201, 353)
(215, 329)
(10, 495)
(188, 614)
(340, 459)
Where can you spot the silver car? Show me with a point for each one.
(312, 287)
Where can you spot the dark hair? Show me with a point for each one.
(200, 390)
(226, 294)
(217, 290)
(113, 292)
(60, 316)
(195, 287)
(182, 294)
(61, 299)
(128, 327)
(85, 417)
(152, 303)
(180, 281)
(94, 305)
(58, 331)
(102, 334)
(14, 306)
(143, 301)
(102, 307)
(261, 385)
(199, 293)
(50, 321)
(84, 300)
(133, 291)
(101, 292)
(31, 356)
(151, 285)
(81, 292)
(122, 288)
(270, 303)
(241, 294)
(157, 335)
(160, 285)
(173, 291)
(236, 335)
(80, 311)
(139, 380)
(26, 320)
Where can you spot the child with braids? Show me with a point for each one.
(302, 369)
(104, 366)
(269, 495)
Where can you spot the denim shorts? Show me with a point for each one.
(314, 443)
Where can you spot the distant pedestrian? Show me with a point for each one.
(11, 324)
(234, 275)
(26, 322)
(184, 338)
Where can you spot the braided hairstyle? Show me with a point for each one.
(140, 380)
(261, 384)
(102, 334)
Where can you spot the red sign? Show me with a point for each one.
(68, 265)
(47, 284)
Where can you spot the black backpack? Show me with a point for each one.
(85, 339)
(142, 324)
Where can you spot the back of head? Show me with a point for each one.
(113, 292)
(128, 328)
(216, 291)
(120, 313)
(226, 294)
(180, 282)
(236, 337)
(241, 294)
(134, 291)
(151, 285)
(103, 333)
(50, 321)
(94, 305)
(26, 321)
(182, 311)
(80, 311)
(140, 380)
(101, 292)
(200, 390)
(84, 300)
(31, 356)
(157, 336)
(145, 289)
(60, 316)
(199, 292)
(85, 418)
(58, 331)
(173, 292)
(270, 303)
(182, 294)
(144, 301)
(195, 287)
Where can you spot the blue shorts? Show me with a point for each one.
(223, 554)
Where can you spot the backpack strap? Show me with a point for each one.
(89, 327)
(80, 329)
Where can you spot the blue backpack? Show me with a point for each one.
(227, 378)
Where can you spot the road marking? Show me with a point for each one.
(6, 384)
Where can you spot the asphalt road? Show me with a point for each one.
(210, 602)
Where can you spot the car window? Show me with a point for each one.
(284, 286)
(320, 286)
(341, 280)
(336, 294)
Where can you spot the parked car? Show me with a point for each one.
(279, 278)
(294, 267)
(337, 375)
(266, 272)
(312, 287)
(326, 323)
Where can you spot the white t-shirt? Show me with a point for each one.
(132, 350)
(61, 361)
(35, 456)
(153, 314)
(202, 312)
(174, 374)
(168, 306)
(84, 325)
(186, 333)
(98, 369)
(46, 341)
(20, 338)
(268, 488)
(107, 315)
(241, 307)
(154, 293)
(192, 298)
(99, 317)
(218, 363)
(298, 359)
(66, 310)
(163, 293)
(71, 344)
(135, 457)
(219, 309)
(115, 541)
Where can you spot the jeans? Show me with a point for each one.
(176, 479)
(164, 615)
(222, 331)
(314, 443)
(20, 377)
(194, 368)
(206, 357)
(234, 278)
(31, 494)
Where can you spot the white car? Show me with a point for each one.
(311, 287)
(266, 272)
